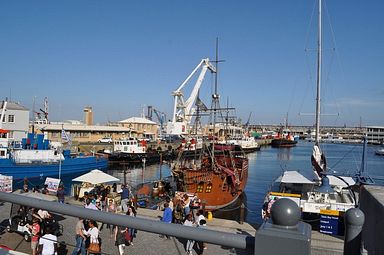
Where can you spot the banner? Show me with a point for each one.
(6, 183)
(52, 184)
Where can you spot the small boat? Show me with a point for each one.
(285, 141)
(323, 198)
(380, 152)
(131, 150)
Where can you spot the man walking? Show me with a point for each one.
(80, 238)
(167, 216)
(124, 198)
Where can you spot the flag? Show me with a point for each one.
(64, 136)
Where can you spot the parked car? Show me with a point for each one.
(105, 140)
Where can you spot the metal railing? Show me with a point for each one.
(210, 236)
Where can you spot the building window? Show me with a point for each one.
(10, 135)
(4, 118)
(200, 187)
(11, 118)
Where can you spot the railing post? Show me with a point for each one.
(354, 221)
(242, 209)
(286, 234)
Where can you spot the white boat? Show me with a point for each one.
(324, 193)
(380, 152)
(247, 144)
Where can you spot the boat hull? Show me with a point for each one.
(68, 166)
(283, 143)
(215, 189)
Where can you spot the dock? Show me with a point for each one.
(150, 243)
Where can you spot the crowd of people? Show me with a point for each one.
(183, 209)
(186, 211)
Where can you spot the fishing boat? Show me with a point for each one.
(37, 157)
(131, 150)
(324, 197)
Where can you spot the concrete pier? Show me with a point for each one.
(150, 243)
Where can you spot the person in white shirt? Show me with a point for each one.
(190, 243)
(93, 233)
(90, 205)
(48, 243)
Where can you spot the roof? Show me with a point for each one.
(82, 127)
(138, 120)
(96, 177)
(13, 106)
(294, 177)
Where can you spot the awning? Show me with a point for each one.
(96, 177)
(3, 131)
(295, 177)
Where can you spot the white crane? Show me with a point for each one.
(183, 109)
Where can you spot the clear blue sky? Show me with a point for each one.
(117, 56)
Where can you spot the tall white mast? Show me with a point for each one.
(319, 62)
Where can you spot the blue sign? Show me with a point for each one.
(329, 224)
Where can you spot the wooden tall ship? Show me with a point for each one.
(217, 180)
(218, 174)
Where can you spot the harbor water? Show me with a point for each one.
(264, 167)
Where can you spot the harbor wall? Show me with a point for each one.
(372, 204)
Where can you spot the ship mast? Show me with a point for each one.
(319, 63)
(215, 101)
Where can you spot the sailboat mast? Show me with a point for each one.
(215, 98)
(319, 63)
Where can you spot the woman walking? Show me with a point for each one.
(120, 238)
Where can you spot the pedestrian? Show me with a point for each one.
(131, 232)
(35, 230)
(111, 208)
(124, 198)
(93, 233)
(120, 233)
(167, 216)
(48, 243)
(201, 222)
(186, 202)
(80, 238)
(90, 205)
(60, 194)
(190, 243)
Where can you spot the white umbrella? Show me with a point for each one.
(96, 177)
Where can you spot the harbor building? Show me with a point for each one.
(375, 134)
(80, 132)
(144, 128)
(15, 120)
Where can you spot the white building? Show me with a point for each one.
(15, 120)
(375, 134)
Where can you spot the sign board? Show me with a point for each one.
(329, 222)
(52, 184)
(6, 183)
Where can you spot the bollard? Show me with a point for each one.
(354, 221)
(286, 234)
(242, 208)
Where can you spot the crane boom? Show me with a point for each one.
(182, 108)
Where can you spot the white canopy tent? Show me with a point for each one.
(96, 177)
